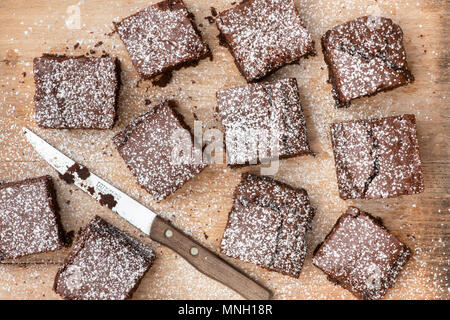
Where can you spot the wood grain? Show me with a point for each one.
(30, 28)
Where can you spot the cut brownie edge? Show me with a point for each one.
(63, 236)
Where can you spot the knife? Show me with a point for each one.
(157, 228)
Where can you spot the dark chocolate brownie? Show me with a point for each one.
(258, 117)
(29, 219)
(76, 92)
(377, 158)
(365, 56)
(264, 35)
(157, 148)
(162, 37)
(267, 225)
(104, 264)
(361, 255)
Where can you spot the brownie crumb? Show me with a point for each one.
(210, 19)
(163, 80)
(107, 200)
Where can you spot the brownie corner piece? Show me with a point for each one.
(267, 225)
(361, 255)
(377, 158)
(365, 56)
(161, 38)
(264, 35)
(262, 121)
(104, 264)
(151, 147)
(76, 92)
(29, 218)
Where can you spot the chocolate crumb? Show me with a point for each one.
(210, 19)
(82, 172)
(222, 41)
(68, 238)
(163, 80)
(107, 200)
(98, 44)
(91, 190)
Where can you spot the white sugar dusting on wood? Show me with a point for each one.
(201, 206)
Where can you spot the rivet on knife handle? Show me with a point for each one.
(207, 262)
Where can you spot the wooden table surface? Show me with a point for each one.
(30, 28)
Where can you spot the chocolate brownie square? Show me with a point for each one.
(104, 264)
(161, 38)
(365, 56)
(361, 255)
(263, 121)
(76, 92)
(264, 35)
(158, 149)
(29, 219)
(267, 225)
(377, 158)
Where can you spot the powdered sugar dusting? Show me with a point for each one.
(264, 35)
(267, 225)
(104, 264)
(76, 92)
(263, 116)
(201, 208)
(377, 158)
(365, 56)
(361, 255)
(147, 149)
(161, 37)
(28, 218)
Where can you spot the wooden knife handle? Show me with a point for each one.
(206, 261)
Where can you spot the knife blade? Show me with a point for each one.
(125, 206)
(148, 221)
